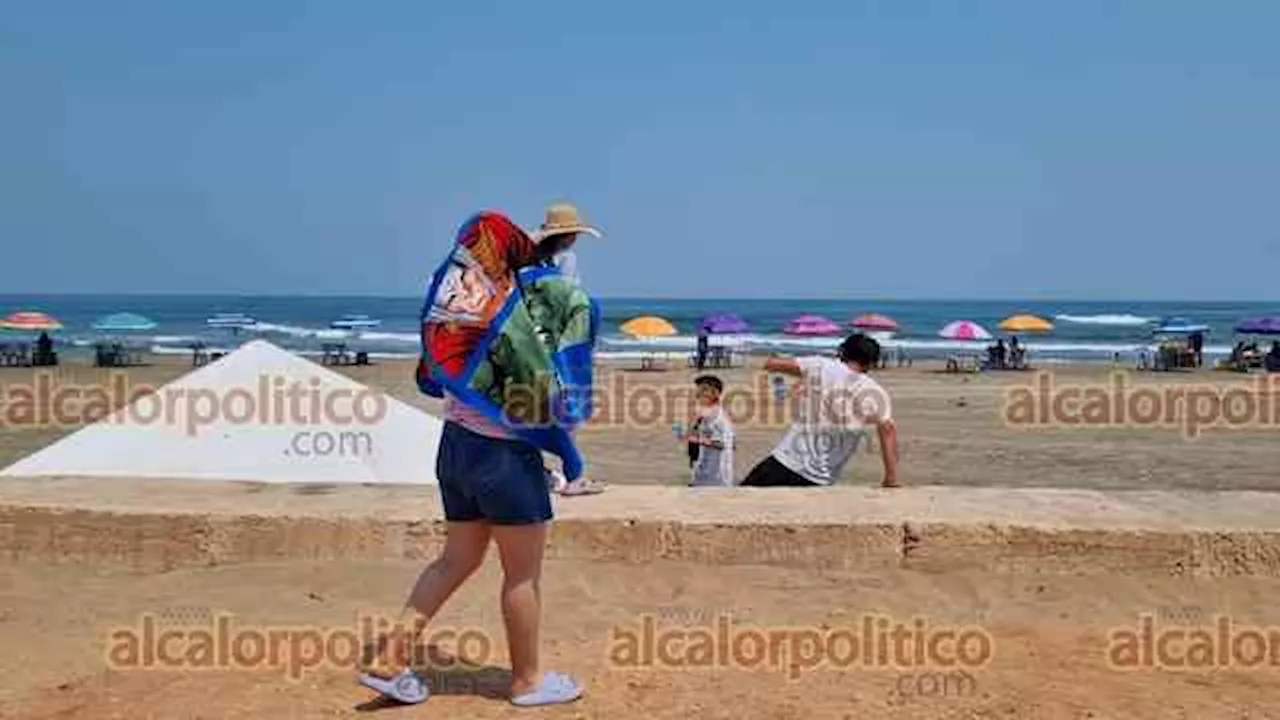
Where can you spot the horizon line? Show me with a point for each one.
(783, 298)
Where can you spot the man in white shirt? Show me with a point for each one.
(839, 403)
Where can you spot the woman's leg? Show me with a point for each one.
(464, 550)
(521, 548)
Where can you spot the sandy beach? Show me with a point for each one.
(954, 428)
(1048, 603)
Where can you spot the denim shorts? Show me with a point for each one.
(492, 479)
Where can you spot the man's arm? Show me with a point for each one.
(888, 433)
(783, 366)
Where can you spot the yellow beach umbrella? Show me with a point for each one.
(647, 326)
(1025, 323)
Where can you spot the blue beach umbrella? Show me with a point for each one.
(124, 322)
(1179, 326)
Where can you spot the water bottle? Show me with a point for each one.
(779, 388)
(677, 430)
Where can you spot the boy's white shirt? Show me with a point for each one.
(714, 466)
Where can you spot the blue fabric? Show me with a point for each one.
(483, 478)
(530, 336)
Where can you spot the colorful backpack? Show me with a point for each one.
(510, 338)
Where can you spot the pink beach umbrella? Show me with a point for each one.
(964, 330)
(875, 321)
(812, 325)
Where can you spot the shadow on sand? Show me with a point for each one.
(448, 674)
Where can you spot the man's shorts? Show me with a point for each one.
(497, 480)
(771, 473)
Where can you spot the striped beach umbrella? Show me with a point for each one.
(30, 321)
(964, 330)
(812, 325)
(875, 321)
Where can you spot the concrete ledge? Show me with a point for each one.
(159, 525)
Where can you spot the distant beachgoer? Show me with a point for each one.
(712, 435)
(44, 350)
(704, 348)
(839, 402)
(1196, 345)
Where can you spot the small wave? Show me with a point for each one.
(1105, 319)
(295, 331)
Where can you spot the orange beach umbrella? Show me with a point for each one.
(29, 320)
(1025, 323)
(647, 326)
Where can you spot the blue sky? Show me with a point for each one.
(1082, 149)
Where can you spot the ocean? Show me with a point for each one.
(1083, 330)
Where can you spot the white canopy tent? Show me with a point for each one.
(258, 414)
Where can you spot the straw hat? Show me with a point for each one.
(562, 218)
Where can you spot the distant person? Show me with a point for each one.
(839, 402)
(1196, 343)
(44, 350)
(704, 348)
(712, 434)
(1272, 361)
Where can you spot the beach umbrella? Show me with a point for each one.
(124, 322)
(1179, 326)
(28, 320)
(235, 321)
(964, 330)
(1260, 326)
(875, 321)
(812, 325)
(354, 322)
(1025, 323)
(648, 326)
(723, 324)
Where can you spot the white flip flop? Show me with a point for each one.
(555, 689)
(405, 688)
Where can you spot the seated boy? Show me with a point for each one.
(712, 433)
